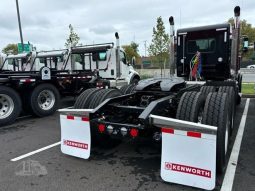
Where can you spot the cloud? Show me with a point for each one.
(45, 22)
(103, 29)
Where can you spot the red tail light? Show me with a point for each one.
(134, 132)
(101, 128)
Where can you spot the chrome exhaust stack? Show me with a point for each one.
(118, 73)
(235, 55)
(171, 46)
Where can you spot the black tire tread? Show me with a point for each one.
(207, 89)
(82, 100)
(215, 114)
(189, 105)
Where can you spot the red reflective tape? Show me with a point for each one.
(167, 130)
(70, 117)
(194, 134)
(85, 119)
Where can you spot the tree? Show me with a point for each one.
(159, 47)
(10, 48)
(131, 51)
(246, 29)
(135, 46)
(73, 38)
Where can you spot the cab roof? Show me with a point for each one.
(201, 28)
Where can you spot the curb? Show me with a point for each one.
(248, 96)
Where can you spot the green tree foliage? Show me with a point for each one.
(131, 51)
(73, 38)
(10, 48)
(248, 30)
(135, 46)
(159, 47)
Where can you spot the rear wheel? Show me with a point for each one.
(127, 89)
(191, 107)
(93, 98)
(10, 105)
(231, 102)
(84, 99)
(216, 113)
(44, 100)
(207, 89)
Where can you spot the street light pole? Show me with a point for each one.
(20, 29)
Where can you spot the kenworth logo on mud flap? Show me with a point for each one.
(187, 169)
(76, 144)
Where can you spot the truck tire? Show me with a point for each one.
(84, 98)
(95, 100)
(10, 105)
(231, 102)
(97, 97)
(240, 79)
(44, 100)
(124, 88)
(191, 107)
(102, 95)
(110, 93)
(127, 89)
(238, 96)
(216, 114)
(207, 89)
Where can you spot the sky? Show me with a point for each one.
(45, 22)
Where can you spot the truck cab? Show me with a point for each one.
(106, 64)
(18, 63)
(211, 45)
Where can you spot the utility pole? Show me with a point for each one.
(145, 48)
(20, 29)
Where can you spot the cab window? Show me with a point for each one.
(201, 45)
(123, 57)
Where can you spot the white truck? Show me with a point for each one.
(35, 81)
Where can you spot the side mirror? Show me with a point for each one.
(124, 60)
(245, 43)
(133, 61)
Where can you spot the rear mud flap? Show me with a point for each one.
(188, 152)
(75, 135)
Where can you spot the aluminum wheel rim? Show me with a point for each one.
(46, 99)
(6, 106)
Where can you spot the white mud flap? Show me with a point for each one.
(188, 152)
(75, 133)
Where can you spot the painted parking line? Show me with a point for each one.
(34, 152)
(232, 163)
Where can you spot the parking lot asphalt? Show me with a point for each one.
(131, 165)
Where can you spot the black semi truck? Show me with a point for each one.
(206, 91)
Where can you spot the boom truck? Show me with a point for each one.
(35, 81)
(190, 115)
